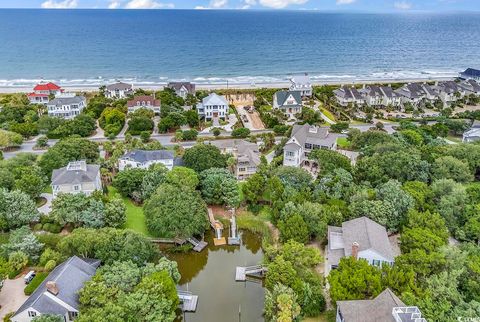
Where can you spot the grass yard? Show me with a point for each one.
(4, 238)
(328, 114)
(48, 189)
(456, 139)
(135, 216)
(343, 143)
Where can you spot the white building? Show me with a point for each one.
(289, 102)
(361, 238)
(305, 139)
(76, 177)
(380, 96)
(118, 90)
(58, 293)
(449, 92)
(66, 105)
(213, 106)
(302, 84)
(182, 89)
(473, 134)
(42, 91)
(144, 101)
(144, 159)
(349, 95)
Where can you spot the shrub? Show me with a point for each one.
(49, 240)
(14, 273)
(50, 265)
(242, 132)
(216, 131)
(36, 281)
(37, 227)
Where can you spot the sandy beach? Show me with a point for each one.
(216, 86)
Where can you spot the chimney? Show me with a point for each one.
(355, 247)
(52, 287)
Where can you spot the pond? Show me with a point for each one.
(210, 274)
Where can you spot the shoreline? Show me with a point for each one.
(233, 86)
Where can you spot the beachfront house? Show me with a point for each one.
(470, 87)
(118, 90)
(417, 93)
(246, 154)
(182, 89)
(76, 177)
(144, 159)
(349, 95)
(303, 84)
(66, 105)
(380, 96)
(449, 92)
(361, 238)
(386, 307)
(304, 139)
(144, 101)
(42, 92)
(471, 73)
(58, 293)
(472, 134)
(213, 106)
(289, 102)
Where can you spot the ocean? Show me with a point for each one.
(93, 47)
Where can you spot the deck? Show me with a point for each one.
(198, 245)
(188, 301)
(242, 273)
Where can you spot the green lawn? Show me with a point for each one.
(343, 143)
(328, 114)
(456, 139)
(135, 216)
(48, 189)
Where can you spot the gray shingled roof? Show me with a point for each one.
(142, 156)
(70, 276)
(66, 176)
(449, 87)
(348, 92)
(283, 95)
(377, 310)
(305, 134)
(368, 234)
(246, 151)
(60, 101)
(470, 72)
(178, 85)
(119, 86)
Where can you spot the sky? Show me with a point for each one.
(325, 5)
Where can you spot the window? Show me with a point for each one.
(308, 146)
(376, 262)
(290, 154)
(32, 314)
(72, 315)
(76, 187)
(241, 169)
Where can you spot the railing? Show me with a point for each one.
(413, 311)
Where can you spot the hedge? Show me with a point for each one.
(36, 281)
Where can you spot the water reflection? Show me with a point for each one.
(211, 275)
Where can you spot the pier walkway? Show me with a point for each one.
(198, 245)
(187, 300)
(217, 228)
(242, 273)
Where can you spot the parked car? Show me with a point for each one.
(29, 277)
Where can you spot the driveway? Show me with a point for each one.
(11, 296)
(47, 207)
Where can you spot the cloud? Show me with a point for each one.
(340, 2)
(148, 4)
(248, 3)
(279, 4)
(402, 5)
(216, 4)
(66, 4)
(114, 4)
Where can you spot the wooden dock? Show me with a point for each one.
(188, 301)
(177, 241)
(198, 245)
(241, 273)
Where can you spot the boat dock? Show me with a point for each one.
(176, 241)
(241, 273)
(217, 228)
(198, 245)
(188, 301)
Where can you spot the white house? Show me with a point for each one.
(289, 102)
(360, 238)
(302, 84)
(182, 89)
(304, 139)
(144, 159)
(58, 293)
(470, 87)
(380, 96)
(346, 95)
(213, 106)
(386, 307)
(449, 91)
(144, 101)
(42, 91)
(76, 177)
(118, 90)
(66, 105)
